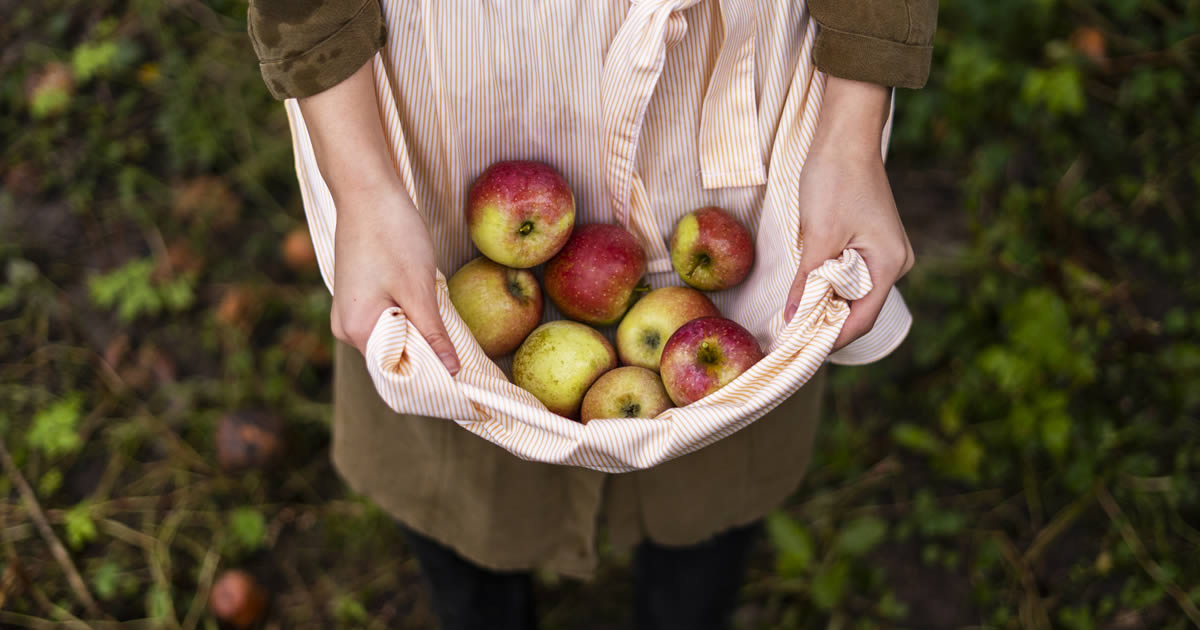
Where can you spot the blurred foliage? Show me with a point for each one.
(1028, 459)
(1034, 447)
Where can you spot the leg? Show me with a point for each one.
(469, 597)
(694, 587)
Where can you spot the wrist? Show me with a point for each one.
(365, 199)
(853, 114)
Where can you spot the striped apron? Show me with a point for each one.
(650, 109)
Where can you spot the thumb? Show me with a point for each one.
(424, 315)
(814, 252)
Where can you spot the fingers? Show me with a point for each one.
(424, 315)
(816, 250)
(865, 310)
(863, 313)
(354, 322)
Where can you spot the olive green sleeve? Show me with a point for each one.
(889, 42)
(308, 46)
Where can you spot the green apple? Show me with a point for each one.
(559, 361)
(710, 250)
(626, 392)
(654, 318)
(499, 304)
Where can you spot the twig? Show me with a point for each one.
(208, 569)
(56, 547)
(1059, 524)
(1139, 551)
(1031, 612)
(26, 621)
(71, 621)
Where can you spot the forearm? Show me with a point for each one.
(347, 137)
(853, 114)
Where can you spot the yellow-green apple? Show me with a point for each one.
(520, 213)
(559, 361)
(704, 355)
(652, 320)
(499, 304)
(595, 277)
(711, 250)
(626, 392)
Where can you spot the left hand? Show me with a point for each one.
(846, 201)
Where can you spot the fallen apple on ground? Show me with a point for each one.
(237, 599)
(559, 361)
(711, 250)
(247, 440)
(499, 304)
(626, 392)
(520, 213)
(595, 277)
(704, 355)
(654, 318)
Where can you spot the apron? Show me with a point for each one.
(650, 110)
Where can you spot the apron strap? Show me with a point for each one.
(730, 155)
(729, 152)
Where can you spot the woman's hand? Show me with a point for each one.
(846, 201)
(384, 256)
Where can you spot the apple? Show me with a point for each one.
(711, 250)
(519, 214)
(248, 439)
(626, 392)
(654, 318)
(595, 277)
(704, 355)
(237, 599)
(559, 361)
(499, 304)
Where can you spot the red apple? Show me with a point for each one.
(711, 250)
(626, 392)
(654, 318)
(237, 599)
(595, 277)
(704, 355)
(499, 304)
(559, 361)
(520, 213)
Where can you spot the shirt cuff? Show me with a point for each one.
(330, 61)
(870, 59)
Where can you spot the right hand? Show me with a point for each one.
(384, 258)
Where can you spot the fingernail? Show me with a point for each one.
(451, 363)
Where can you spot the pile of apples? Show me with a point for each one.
(674, 344)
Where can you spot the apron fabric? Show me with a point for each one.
(650, 109)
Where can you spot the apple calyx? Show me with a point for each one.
(514, 287)
(526, 228)
(699, 260)
(630, 410)
(652, 338)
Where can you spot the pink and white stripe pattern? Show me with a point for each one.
(650, 110)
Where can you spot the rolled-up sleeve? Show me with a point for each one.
(308, 46)
(889, 42)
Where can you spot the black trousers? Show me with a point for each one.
(675, 588)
